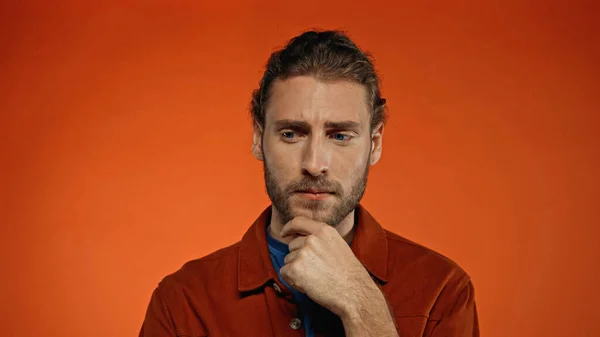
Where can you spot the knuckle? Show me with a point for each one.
(303, 253)
(294, 268)
(326, 230)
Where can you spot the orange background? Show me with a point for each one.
(126, 150)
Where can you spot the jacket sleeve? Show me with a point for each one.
(158, 321)
(461, 318)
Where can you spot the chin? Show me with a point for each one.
(313, 206)
(317, 214)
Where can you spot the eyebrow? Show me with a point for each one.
(344, 125)
(301, 125)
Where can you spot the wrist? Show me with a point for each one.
(369, 317)
(369, 298)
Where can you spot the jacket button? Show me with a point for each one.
(295, 323)
(277, 288)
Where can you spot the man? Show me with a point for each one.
(316, 263)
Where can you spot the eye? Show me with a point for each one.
(340, 137)
(288, 134)
(291, 136)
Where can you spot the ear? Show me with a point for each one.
(376, 143)
(257, 141)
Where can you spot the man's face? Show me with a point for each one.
(316, 147)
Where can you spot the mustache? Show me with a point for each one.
(315, 183)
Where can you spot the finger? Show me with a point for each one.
(292, 281)
(290, 257)
(285, 272)
(302, 226)
(297, 243)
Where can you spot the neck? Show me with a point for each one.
(345, 227)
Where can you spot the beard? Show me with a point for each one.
(329, 212)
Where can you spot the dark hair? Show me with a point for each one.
(326, 55)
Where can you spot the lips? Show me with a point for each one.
(314, 194)
(314, 191)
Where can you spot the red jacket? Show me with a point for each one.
(235, 291)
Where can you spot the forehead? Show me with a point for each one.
(314, 101)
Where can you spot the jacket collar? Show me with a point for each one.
(255, 268)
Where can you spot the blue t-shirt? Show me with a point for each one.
(278, 252)
(307, 306)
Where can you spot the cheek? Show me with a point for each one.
(350, 166)
(283, 164)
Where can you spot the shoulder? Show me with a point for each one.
(188, 292)
(422, 264)
(204, 269)
(418, 272)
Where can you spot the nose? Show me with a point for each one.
(316, 157)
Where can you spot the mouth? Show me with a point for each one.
(314, 194)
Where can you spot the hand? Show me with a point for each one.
(322, 265)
